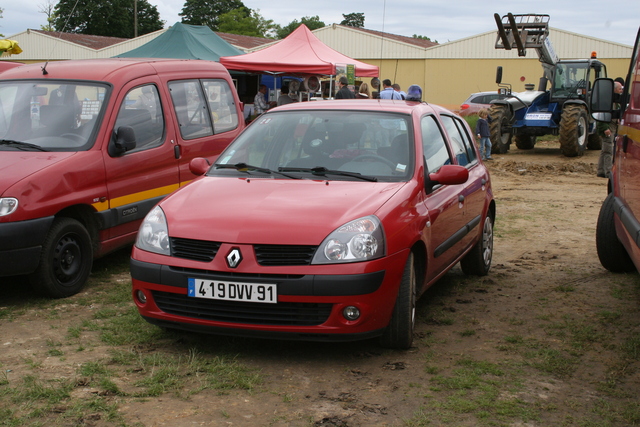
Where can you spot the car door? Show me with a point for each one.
(472, 194)
(141, 177)
(444, 203)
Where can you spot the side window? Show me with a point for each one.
(461, 152)
(433, 145)
(142, 111)
(221, 104)
(192, 109)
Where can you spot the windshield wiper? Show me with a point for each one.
(26, 146)
(321, 170)
(243, 167)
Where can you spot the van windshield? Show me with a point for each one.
(49, 115)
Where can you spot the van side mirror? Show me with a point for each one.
(499, 75)
(123, 141)
(601, 102)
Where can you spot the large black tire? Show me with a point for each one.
(613, 256)
(500, 119)
(478, 261)
(65, 260)
(399, 333)
(573, 130)
(525, 142)
(594, 141)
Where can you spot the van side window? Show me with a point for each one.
(221, 104)
(142, 111)
(433, 145)
(460, 143)
(192, 108)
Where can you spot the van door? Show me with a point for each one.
(140, 177)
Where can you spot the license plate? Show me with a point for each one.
(538, 116)
(232, 291)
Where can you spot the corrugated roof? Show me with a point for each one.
(92, 42)
(404, 39)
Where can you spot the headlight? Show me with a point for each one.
(358, 240)
(8, 205)
(153, 235)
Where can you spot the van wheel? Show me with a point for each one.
(65, 260)
(478, 261)
(613, 255)
(399, 332)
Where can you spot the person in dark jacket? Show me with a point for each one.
(344, 92)
(482, 131)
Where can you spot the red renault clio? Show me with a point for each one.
(322, 221)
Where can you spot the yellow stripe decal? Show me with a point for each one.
(632, 133)
(135, 197)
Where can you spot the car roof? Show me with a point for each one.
(373, 105)
(106, 69)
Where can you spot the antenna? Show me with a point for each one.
(64, 27)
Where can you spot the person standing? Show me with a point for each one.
(402, 93)
(482, 131)
(284, 97)
(608, 131)
(363, 92)
(387, 91)
(344, 92)
(259, 103)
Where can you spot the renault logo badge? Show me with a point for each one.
(234, 257)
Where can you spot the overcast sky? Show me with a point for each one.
(441, 20)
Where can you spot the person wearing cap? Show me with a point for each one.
(344, 92)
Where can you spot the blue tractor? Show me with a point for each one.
(561, 110)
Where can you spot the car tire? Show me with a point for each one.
(611, 252)
(500, 118)
(573, 130)
(399, 333)
(478, 261)
(65, 260)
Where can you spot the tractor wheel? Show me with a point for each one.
(500, 118)
(594, 142)
(573, 130)
(525, 142)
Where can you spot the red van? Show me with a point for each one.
(618, 229)
(90, 146)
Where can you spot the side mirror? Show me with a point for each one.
(450, 175)
(199, 166)
(499, 75)
(124, 140)
(602, 96)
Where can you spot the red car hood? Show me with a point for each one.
(18, 165)
(270, 211)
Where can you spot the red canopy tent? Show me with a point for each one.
(301, 52)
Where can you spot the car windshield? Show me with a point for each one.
(333, 145)
(49, 115)
(570, 78)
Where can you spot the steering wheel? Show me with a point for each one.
(375, 157)
(74, 137)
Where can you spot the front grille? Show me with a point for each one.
(197, 250)
(282, 313)
(279, 255)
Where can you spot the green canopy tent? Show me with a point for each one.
(183, 41)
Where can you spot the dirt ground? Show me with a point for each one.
(548, 331)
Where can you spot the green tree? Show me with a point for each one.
(255, 25)
(112, 18)
(312, 22)
(207, 12)
(415, 36)
(355, 19)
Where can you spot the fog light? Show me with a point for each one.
(141, 296)
(351, 313)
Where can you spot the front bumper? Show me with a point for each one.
(309, 307)
(21, 245)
